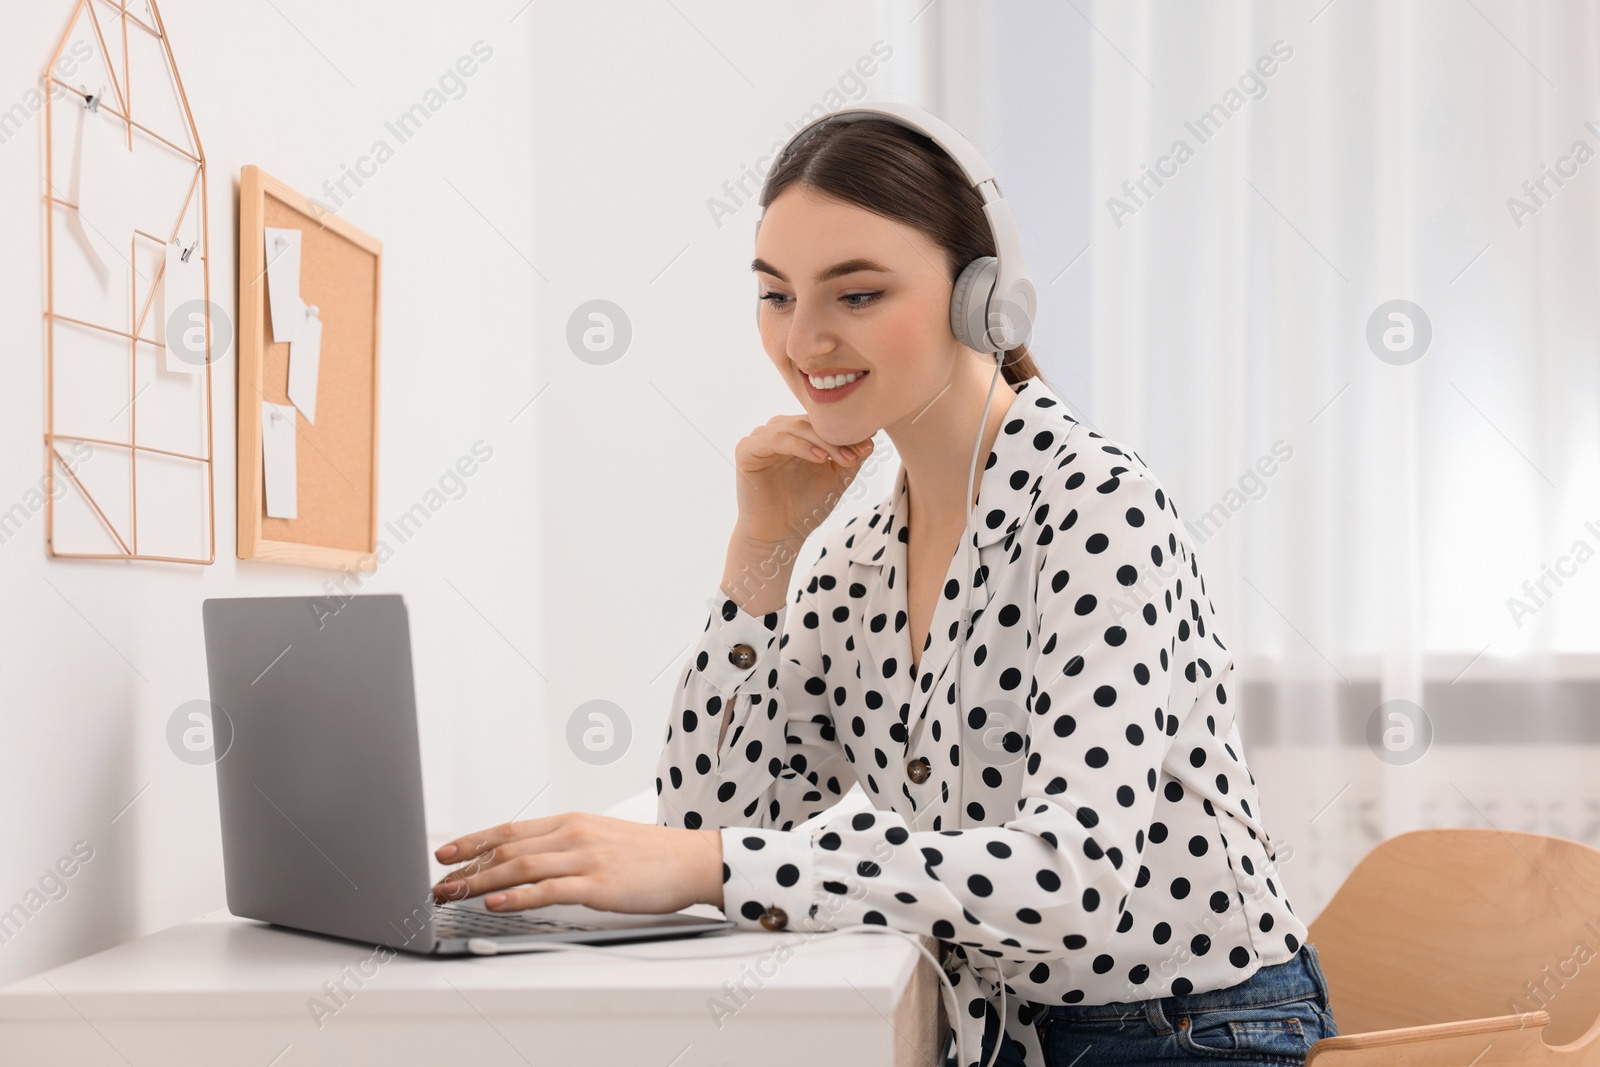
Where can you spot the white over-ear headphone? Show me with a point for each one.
(991, 310)
(993, 302)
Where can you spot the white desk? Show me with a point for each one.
(224, 992)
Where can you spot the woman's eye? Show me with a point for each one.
(851, 300)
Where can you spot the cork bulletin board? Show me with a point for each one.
(336, 457)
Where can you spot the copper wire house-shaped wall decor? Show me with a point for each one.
(130, 330)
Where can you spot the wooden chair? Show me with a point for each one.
(1464, 947)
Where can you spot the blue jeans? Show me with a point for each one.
(1272, 1017)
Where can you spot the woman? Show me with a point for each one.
(1077, 820)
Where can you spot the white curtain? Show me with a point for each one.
(1374, 525)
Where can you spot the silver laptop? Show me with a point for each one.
(319, 781)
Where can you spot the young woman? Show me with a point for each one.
(1076, 820)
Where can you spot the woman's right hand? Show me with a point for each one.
(790, 479)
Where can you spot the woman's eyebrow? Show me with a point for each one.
(849, 266)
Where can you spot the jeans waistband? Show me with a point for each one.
(1297, 978)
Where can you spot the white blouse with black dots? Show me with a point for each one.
(1078, 818)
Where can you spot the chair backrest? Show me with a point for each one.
(1438, 926)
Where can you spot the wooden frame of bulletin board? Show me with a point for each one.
(336, 458)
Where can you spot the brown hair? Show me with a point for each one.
(895, 171)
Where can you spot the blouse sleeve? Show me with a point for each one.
(1056, 875)
(780, 761)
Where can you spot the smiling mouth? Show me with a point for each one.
(824, 383)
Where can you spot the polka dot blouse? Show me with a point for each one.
(1077, 821)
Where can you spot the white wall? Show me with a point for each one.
(577, 165)
(92, 668)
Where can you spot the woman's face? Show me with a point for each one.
(843, 290)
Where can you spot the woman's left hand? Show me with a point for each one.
(580, 858)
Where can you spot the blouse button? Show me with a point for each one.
(774, 918)
(742, 656)
(918, 769)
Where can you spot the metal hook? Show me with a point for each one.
(91, 101)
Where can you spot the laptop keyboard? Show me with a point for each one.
(454, 920)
